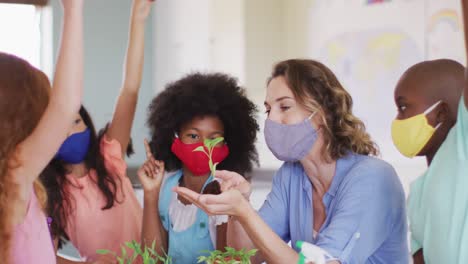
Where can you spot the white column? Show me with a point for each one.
(202, 35)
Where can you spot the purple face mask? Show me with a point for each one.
(290, 142)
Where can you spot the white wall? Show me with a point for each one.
(204, 35)
(367, 46)
(264, 45)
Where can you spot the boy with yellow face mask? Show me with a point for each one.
(427, 97)
(432, 121)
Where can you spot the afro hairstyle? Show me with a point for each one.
(199, 95)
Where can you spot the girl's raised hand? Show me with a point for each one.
(151, 172)
(69, 5)
(142, 9)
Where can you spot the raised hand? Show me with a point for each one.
(151, 173)
(141, 9)
(69, 5)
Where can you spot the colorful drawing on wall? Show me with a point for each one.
(368, 64)
(444, 26)
(449, 17)
(371, 2)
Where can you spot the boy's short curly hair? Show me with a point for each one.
(198, 95)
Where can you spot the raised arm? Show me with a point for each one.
(122, 120)
(35, 152)
(151, 176)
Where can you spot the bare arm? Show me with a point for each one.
(64, 103)
(271, 246)
(104, 259)
(122, 120)
(108, 259)
(238, 238)
(465, 23)
(153, 229)
(61, 260)
(221, 233)
(151, 176)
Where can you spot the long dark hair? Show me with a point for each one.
(60, 204)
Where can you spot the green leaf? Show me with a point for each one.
(213, 142)
(252, 252)
(103, 251)
(200, 149)
(168, 259)
(145, 254)
(152, 251)
(230, 250)
(124, 252)
(138, 249)
(207, 143)
(129, 244)
(134, 257)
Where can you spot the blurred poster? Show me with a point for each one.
(371, 47)
(444, 30)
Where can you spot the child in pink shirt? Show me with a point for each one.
(32, 242)
(34, 121)
(88, 226)
(91, 199)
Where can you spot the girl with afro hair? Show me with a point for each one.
(190, 110)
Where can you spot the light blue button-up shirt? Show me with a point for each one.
(365, 211)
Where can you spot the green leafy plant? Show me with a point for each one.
(210, 145)
(147, 254)
(230, 256)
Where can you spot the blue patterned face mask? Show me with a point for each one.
(75, 148)
(290, 142)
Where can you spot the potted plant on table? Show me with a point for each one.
(230, 256)
(146, 254)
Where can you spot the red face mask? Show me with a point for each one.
(196, 161)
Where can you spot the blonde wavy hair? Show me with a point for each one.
(24, 95)
(317, 89)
